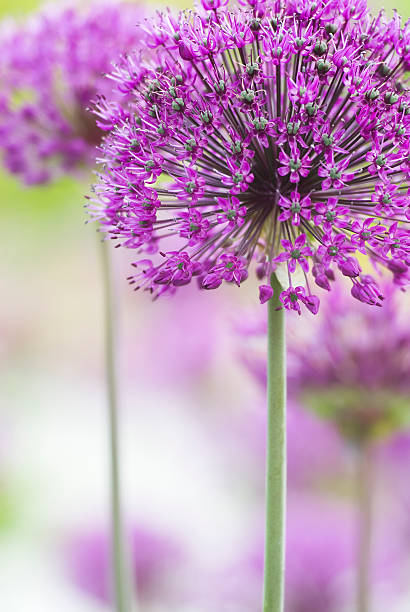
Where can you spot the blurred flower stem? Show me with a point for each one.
(364, 469)
(118, 557)
(274, 565)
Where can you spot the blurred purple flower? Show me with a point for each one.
(184, 350)
(315, 451)
(320, 562)
(153, 557)
(355, 347)
(352, 366)
(52, 65)
(319, 554)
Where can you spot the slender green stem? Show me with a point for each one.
(365, 519)
(118, 559)
(274, 570)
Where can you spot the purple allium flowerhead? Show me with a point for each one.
(275, 134)
(353, 368)
(51, 67)
(153, 556)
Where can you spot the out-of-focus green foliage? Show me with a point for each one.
(7, 509)
(17, 7)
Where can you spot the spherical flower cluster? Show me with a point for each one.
(351, 368)
(51, 67)
(276, 134)
(360, 381)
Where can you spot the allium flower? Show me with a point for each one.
(361, 380)
(52, 66)
(153, 556)
(352, 367)
(255, 128)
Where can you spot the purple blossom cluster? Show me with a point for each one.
(360, 382)
(372, 350)
(351, 369)
(275, 134)
(51, 67)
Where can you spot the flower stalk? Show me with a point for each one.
(118, 557)
(365, 519)
(274, 566)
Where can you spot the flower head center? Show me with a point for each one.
(260, 124)
(231, 214)
(328, 140)
(334, 173)
(295, 164)
(247, 96)
(190, 187)
(190, 144)
(252, 69)
(293, 128)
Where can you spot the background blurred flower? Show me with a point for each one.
(315, 451)
(353, 369)
(153, 558)
(52, 66)
(181, 338)
(320, 562)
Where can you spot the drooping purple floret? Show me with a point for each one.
(256, 129)
(51, 67)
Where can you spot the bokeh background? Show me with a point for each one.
(191, 435)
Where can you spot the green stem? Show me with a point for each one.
(274, 570)
(364, 508)
(119, 573)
